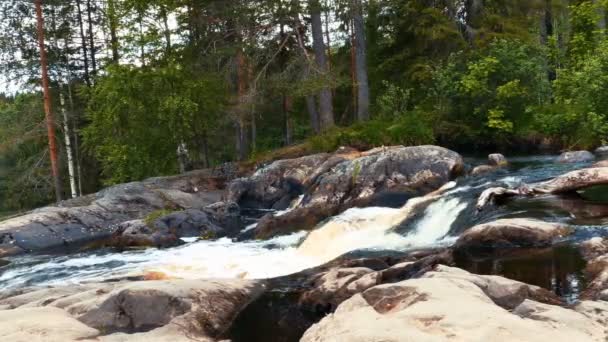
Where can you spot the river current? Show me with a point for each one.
(357, 229)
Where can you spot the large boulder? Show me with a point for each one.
(273, 183)
(96, 217)
(602, 150)
(452, 305)
(334, 183)
(214, 221)
(576, 157)
(510, 233)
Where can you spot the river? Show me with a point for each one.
(357, 229)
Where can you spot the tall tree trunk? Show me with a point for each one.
(166, 30)
(361, 62)
(74, 130)
(67, 130)
(546, 31)
(601, 12)
(113, 24)
(327, 37)
(67, 133)
(91, 37)
(83, 41)
(353, 73)
(50, 122)
(142, 52)
(311, 107)
(241, 123)
(286, 104)
(326, 113)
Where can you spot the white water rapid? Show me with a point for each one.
(355, 229)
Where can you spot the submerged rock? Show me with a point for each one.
(495, 162)
(576, 157)
(510, 233)
(451, 304)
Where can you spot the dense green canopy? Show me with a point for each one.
(218, 80)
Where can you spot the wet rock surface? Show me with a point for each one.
(96, 217)
(576, 157)
(510, 233)
(333, 183)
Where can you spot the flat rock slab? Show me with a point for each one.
(167, 310)
(452, 305)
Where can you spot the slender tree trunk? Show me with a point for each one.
(601, 11)
(327, 37)
(142, 56)
(74, 130)
(353, 73)
(311, 107)
(326, 114)
(113, 24)
(67, 133)
(361, 62)
(242, 148)
(166, 30)
(91, 38)
(75, 135)
(83, 40)
(288, 120)
(50, 122)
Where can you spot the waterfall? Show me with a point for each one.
(367, 228)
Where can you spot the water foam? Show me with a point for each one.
(371, 228)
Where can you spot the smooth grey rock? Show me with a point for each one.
(576, 157)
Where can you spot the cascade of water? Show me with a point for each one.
(369, 228)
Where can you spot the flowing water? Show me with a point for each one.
(372, 229)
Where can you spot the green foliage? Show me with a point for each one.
(139, 116)
(582, 119)
(492, 91)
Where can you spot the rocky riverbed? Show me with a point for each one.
(391, 244)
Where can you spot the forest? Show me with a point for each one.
(143, 88)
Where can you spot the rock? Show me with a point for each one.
(497, 159)
(481, 169)
(495, 162)
(450, 305)
(137, 233)
(576, 157)
(268, 185)
(603, 163)
(338, 182)
(293, 221)
(169, 310)
(602, 150)
(42, 324)
(509, 233)
(96, 217)
(594, 248)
